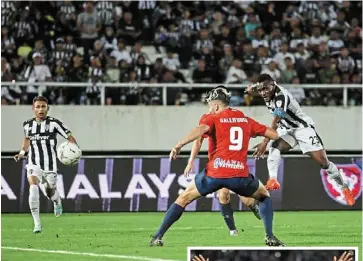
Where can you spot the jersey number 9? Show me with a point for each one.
(236, 138)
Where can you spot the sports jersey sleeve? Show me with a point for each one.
(257, 129)
(62, 129)
(281, 103)
(207, 119)
(26, 129)
(200, 122)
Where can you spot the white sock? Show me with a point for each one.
(34, 203)
(334, 173)
(55, 198)
(273, 162)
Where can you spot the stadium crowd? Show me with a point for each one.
(269, 255)
(194, 42)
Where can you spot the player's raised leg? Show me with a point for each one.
(321, 158)
(53, 194)
(34, 176)
(175, 211)
(274, 160)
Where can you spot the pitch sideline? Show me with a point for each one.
(63, 252)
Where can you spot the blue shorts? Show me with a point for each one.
(245, 186)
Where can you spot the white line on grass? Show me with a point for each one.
(63, 252)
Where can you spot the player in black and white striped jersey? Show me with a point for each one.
(294, 128)
(40, 143)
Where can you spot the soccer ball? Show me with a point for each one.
(69, 153)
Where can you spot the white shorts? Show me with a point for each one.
(46, 178)
(307, 139)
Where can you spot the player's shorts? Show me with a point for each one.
(47, 178)
(307, 138)
(241, 186)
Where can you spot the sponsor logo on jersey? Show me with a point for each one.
(352, 176)
(39, 137)
(279, 103)
(230, 164)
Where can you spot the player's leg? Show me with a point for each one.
(224, 198)
(252, 204)
(174, 212)
(284, 144)
(52, 192)
(251, 187)
(310, 143)
(34, 176)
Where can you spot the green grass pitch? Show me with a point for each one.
(125, 236)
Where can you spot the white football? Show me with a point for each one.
(68, 153)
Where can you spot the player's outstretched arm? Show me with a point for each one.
(24, 148)
(261, 147)
(197, 144)
(192, 136)
(271, 134)
(346, 256)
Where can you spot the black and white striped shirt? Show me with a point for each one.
(294, 116)
(22, 29)
(67, 10)
(7, 12)
(146, 4)
(105, 11)
(43, 141)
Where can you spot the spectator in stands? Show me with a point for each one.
(201, 74)
(276, 40)
(143, 71)
(96, 76)
(328, 70)
(78, 72)
(316, 38)
(235, 74)
(345, 62)
(121, 53)
(297, 37)
(280, 56)
(37, 72)
(88, 25)
(289, 73)
(335, 43)
(109, 41)
(226, 61)
(272, 69)
(8, 46)
(260, 39)
(136, 52)
(129, 30)
(171, 62)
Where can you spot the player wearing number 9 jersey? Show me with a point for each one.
(227, 167)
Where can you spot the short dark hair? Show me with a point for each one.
(40, 98)
(264, 77)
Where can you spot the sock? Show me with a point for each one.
(34, 203)
(172, 215)
(55, 198)
(273, 162)
(227, 213)
(334, 173)
(267, 214)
